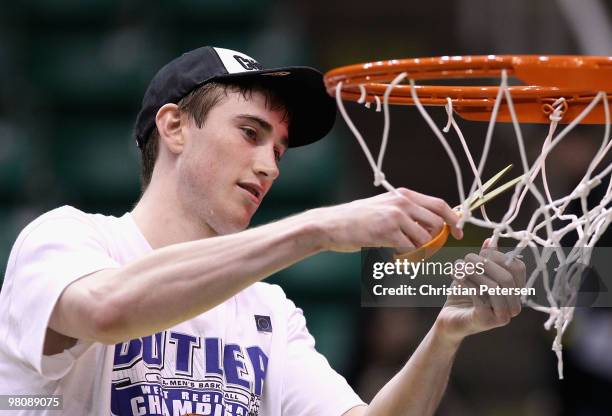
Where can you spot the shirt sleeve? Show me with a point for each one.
(49, 254)
(310, 384)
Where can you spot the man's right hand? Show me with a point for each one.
(405, 221)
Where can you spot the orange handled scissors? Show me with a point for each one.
(474, 201)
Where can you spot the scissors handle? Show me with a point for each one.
(428, 249)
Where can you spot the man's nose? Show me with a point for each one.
(265, 163)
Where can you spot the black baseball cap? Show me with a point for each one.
(312, 110)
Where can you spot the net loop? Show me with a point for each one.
(379, 178)
(556, 110)
(362, 97)
(449, 113)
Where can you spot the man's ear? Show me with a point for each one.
(168, 122)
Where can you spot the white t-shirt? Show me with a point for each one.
(251, 355)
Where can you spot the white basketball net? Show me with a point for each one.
(540, 237)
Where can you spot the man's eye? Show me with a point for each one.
(250, 133)
(277, 155)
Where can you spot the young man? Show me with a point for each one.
(162, 311)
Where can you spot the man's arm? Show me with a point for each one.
(418, 387)
(190, 278)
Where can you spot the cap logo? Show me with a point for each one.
(236, 62)
(248, 64)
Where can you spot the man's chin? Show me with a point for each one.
(232, 226)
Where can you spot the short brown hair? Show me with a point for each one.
(197, 104)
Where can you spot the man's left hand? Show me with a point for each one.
(466, 315)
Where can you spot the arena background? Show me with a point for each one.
(72, 74)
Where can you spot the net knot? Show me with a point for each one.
(379, 177)
(593, 182)
(557, 346)
(556, 110)
(583, 190)
(555, 118)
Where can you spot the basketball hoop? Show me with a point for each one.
(561, 90)
(548, 78)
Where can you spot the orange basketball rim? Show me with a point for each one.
(576, 79)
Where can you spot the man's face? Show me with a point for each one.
(229, 164)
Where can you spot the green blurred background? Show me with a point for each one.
(72, 74)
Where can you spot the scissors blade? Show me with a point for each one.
(489, 196)
(475, 196)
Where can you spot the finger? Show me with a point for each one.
(499, 304)
(496, 276)
(519, 272)
(502, 277)
(439, 207)
(477, 300)
(483, 309)
(495, 267)
(506, 274)
(517, 269)
(433, 223)
(514, 265)
(401, 243)
(415, 232)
